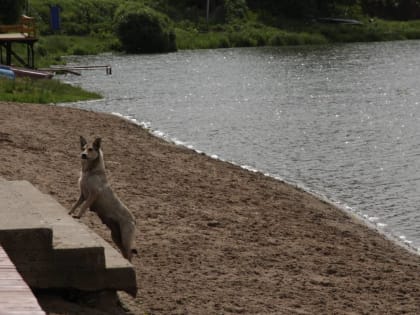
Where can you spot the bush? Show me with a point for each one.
(143, 30)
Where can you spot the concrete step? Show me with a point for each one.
(53, 250)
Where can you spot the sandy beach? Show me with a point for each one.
(212, 238)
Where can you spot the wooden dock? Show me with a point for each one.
(16, 298)
(23, 33)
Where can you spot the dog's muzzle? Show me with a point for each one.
(84, 156)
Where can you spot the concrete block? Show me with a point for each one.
(91, 258)
(52, 250)
(16, 239)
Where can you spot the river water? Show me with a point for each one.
(340, 120)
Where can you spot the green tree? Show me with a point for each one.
(143, 30)
(10, 10)
(235, 9)
(302, 8)
(392, 9)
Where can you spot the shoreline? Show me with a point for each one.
(375, 226)
(212, 237)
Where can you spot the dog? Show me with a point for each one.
(97, 195)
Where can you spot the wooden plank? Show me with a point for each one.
(12, 36)
(16, 298)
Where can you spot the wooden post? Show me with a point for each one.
(32, 56)
(8, 53)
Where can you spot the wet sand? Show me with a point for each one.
(212, 238)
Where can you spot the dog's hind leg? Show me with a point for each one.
(127, 237)
(115, 234)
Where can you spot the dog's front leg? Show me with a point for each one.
(77, 204)
(89, 201)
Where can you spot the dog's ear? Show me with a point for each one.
(83, 142)
(97, 143)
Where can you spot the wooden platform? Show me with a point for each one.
(12, 36)
(23, 33)
(16, 298)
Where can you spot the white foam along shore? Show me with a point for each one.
(372, 222)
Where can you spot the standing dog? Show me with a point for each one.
(97, 195)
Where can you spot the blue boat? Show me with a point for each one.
(5, 72)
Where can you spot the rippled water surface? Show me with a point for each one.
(341, 120)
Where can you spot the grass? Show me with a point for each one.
(49, 51)
(245, 35)
(52, 48)
(253, 33)
(42, 91)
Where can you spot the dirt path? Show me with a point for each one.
(212, 237)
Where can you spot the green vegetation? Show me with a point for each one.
(141, 29)
(51, 48)
(146, 26)
(162, 25)
(245, 35)
(42, 91)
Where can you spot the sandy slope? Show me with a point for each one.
(212, 238)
